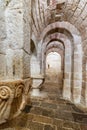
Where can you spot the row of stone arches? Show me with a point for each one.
(68, 37)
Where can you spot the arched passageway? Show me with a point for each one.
(32, 32)
(53, 67)
(54, 72)
(70, 39)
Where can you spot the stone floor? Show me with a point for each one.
(49, 113)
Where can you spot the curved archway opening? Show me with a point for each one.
(53, 67)
(54, 72)
(72, 57)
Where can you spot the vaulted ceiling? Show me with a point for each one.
(45, 12)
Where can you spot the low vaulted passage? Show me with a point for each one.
(43, 64)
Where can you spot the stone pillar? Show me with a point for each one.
(86, 95)
(15, 73)
(37, 81)
(40, 57)
(85, 89)
(37, 77)
(77, 77)
(35, 66)
(67, 74)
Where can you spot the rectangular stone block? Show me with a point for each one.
(77, 12)
(67, 75)
(77, 67)
(34, 66)
(14, 25)
(77, 83)
(27, 25)
(18, 64)
(77, 95)
(77, 56)
(21, 64)
(84, 14)
(78, 48)
(73, 125)
(77, 76)
(26, 65)
(77, 87)
(68, 58)
(2, 67)
(68, 50)
(42, 119)
(3, 46)
(68, 67)
(9, 63)
(86, 94)
(67, 89)
(67, 82)
(2, 22)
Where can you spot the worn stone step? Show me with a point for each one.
(64, 115)
(32, 121)
(54, 113)
(58, 123)
(59, 105)
(51, 98)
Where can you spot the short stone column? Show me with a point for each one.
(37, 81)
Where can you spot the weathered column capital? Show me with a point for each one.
(13, 98)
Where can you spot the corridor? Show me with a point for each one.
(43, 64)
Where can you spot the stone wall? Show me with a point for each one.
(18, 39)
(15, 18)
(62, 21)
(74, 12)
(2, 41)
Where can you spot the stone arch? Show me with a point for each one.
(55, 44)
(66, 44)
(74, 36)
(55, 47)
(61, 73)
(59, 51)
(63, 27)
(56, 75)
(56, 37)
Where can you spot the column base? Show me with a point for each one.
(38, 93)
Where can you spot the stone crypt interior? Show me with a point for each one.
(43, 64)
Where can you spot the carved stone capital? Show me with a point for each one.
(13, 98)
(5, 92)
